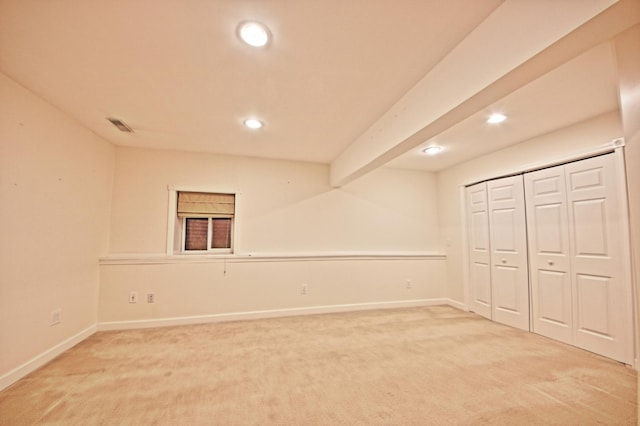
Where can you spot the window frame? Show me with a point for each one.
(209, 249)
(176, 228)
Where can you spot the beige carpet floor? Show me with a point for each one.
(417, 366)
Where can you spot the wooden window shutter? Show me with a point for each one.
(202, 203)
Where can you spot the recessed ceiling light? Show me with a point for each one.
(254, 33)
(252, 123)
(496, 118)
(432, 150)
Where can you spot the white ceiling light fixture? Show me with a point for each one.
(432, 150)
(254, 33)
(496, 118)
(252, 123)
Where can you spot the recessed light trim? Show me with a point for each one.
(496, 118)
(254, 33)
(432, 150)
(253, 123)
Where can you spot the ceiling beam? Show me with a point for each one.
(519, 42)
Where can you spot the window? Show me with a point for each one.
(206, 220)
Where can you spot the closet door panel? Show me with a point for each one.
(602, 298)
(505, 293)
(509, 270)
(481, 292)
(479, 250)
(591, 292)
(549, 253)
(552, 307)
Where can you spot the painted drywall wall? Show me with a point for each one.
(285, 208)
(556, 146)
(55, 190)
(627, 46)
(202, 292)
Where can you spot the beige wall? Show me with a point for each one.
(627, 46)
(284, 208)
(559, 145)
(55, 191)
(200, 292)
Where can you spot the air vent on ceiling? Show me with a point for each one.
(121, 125)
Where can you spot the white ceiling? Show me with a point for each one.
(582, 88)
(177, 74)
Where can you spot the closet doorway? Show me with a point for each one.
(548, 252)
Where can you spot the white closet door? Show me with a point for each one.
(509, 263)
(479, 250)
(549, 253)
(602, 311)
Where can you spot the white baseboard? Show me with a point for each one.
(19, 372)
(235, 316)
(458, 305)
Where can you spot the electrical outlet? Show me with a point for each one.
(303, 289)
(133, 297)
(408, 281)
(151, 297)
(55, 316)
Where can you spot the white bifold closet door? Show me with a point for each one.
(549, 253)
(498, 273)
(509, 262)
(479, 249)
(579, 292)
